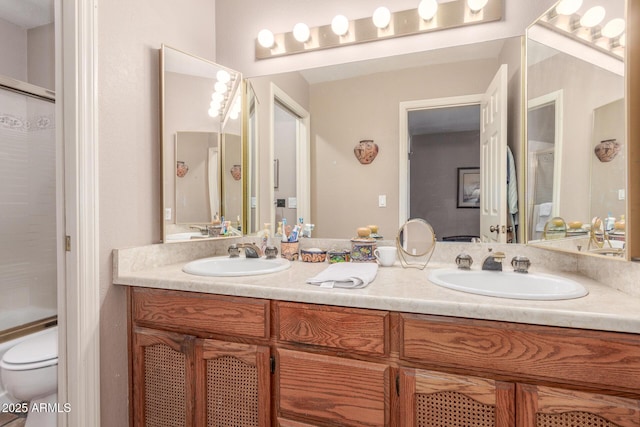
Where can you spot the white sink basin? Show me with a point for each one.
(225, 266)
(185, 236)
(507, 284)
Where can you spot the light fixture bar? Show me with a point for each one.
(404, 23)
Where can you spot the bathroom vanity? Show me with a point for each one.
(273, 350)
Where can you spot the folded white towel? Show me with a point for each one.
(545, 209)
(346, 275)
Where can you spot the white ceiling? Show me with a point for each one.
(27, 13)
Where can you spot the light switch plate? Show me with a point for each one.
(167, 214)
(293, 202)
(382, 201)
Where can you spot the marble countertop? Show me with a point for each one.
(403, 290)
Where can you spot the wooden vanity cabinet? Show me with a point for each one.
(182, 377)
(201, 359)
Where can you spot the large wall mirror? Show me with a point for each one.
(201, 145)
(362, 101)
(576, 130)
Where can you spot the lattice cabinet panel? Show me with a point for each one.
(540, 406)
(436, 399)
(234, 384)
(162, 379)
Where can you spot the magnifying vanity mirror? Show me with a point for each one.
(576, 130)
(201, 145)
(415, 241)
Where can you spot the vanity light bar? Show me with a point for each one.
(456, 13)
(592, 35)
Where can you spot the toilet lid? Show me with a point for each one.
(40, 348)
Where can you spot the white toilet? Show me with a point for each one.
(29, 373)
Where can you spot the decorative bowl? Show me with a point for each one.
(313, 255)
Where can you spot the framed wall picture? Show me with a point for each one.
(469, 187)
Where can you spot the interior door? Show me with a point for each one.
(493, 160)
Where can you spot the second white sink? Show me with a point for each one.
(228, 267)
(507, 284)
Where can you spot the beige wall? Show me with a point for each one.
(129, 36)
(13, 51)
(344, 193)
(41, 56)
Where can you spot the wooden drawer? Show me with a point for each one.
(192, 312)
(332, 389)
(349, 329)
(524, 351)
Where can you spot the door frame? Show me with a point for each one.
(404, 146)
(77, 188)
(303, 161)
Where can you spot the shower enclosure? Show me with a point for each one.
(27, 206)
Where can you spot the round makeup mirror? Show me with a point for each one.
(415, 241)
(555, 228)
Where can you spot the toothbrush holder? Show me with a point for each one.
(289, 250)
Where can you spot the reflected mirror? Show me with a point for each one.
(201, 145)
(576, 148)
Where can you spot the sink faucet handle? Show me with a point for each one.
(234, 251)
(520, 264)
(464, 261)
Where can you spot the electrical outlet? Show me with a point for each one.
(280, 203)
(382, 201)
(293, 203)
(167, 214)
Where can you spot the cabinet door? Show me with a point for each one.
(435, 399)
(233, 384)
(332, 390)
(162, 378)
(552, 407)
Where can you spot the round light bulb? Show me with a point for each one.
(593, 17)
(216, 105)
(381, 17)
(614, 28)
(623, 40)
(568, 7)
(213, 112)
(220, 87)
(266, 39)
(340, 25)
(476, 5)
(223, 76)
(217, 97)
(427, 9)
(233, 115)
(301, 32)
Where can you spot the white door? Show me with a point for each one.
(493, 160)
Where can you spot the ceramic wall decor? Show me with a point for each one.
(236, 172)
(181, 169)
(366, 151)
(607, 150)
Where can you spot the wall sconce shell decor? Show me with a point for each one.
(181, 169)
(236, 172)
(366, 151)
(429, 15)
(607, 150)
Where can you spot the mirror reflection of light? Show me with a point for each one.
(217, 96)
(266, 39)
(220, 87)
(623, 40)
(593, 17)
(213, 113)
(301, 32)
(613, 28)
(340, 25)
(381, 17)
(223, 76)
(476, 5)
(427, 9)
(568, 7)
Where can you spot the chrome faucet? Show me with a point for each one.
(493, 261)
(251, 250)
(202, 230)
